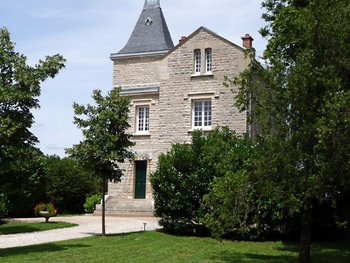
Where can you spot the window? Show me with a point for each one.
(197, 61)
(142, 119)
(208, 60)
(207, 55)
(201, 113)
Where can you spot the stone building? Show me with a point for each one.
(174, 90)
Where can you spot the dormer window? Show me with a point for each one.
(148, 21)
(197, 61)
(208, 60)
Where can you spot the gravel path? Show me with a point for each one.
(88, 226)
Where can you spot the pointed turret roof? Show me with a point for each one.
(151, 34)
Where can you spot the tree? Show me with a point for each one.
(303, 106)
(106, 142)
(67, 184)
(19, 92)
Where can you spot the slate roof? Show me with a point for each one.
(151, 32)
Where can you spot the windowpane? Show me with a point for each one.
(198, 112)
(202, 115)
(197, 61)
(209, 60)
(207, 113)
(143, 119)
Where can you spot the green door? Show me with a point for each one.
(140, 180)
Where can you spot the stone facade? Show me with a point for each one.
(167, 85)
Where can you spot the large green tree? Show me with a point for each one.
(304, 104)
(19, 92)
(106, 141)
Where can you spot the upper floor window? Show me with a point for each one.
(197, 61)
(208, 60)
(201, 113)
(142, 119)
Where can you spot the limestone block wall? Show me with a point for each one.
(183, 86)
(136, 71)
(139, 72)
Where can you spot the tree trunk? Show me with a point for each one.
(103, 206)
(305, 235)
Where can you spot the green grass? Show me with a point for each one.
(147, 247)
(15, 227)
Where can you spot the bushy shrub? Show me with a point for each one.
(183, 177)
(179, 184)
(67, 184)
(48, 207)
(91, 202)
(22, 180)
(3, 206)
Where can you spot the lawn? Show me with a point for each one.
(15, 227)
(159, 247)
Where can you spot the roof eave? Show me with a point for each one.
(115, 56)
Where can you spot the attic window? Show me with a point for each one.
(148, 21)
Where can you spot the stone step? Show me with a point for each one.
(126, 207)
(126, 213)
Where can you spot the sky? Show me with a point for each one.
(86, 32)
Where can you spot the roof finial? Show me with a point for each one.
(151, 4)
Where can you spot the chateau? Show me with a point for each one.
(174, 90)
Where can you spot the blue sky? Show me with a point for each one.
(86, 32)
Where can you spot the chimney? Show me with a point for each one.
(247, 41)
(182, 39)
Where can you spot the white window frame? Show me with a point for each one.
(197, 58)
(145, 122)
(208, 60)
(206, 120)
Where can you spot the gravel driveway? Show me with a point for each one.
(88, 226)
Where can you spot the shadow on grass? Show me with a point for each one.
(338, 252)
(325, 252)
(51, 247)
(252, 257)
(16, 228)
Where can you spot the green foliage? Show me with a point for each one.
(245, 203)
(67, 184)
(91, 202)
(304, 103)
(184, 174)
(179, 184)
(20, 174)
(106, 141)
(3, 206)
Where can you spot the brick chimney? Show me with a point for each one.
(247, 41)
(182, 39)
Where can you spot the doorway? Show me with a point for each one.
(140, 179)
